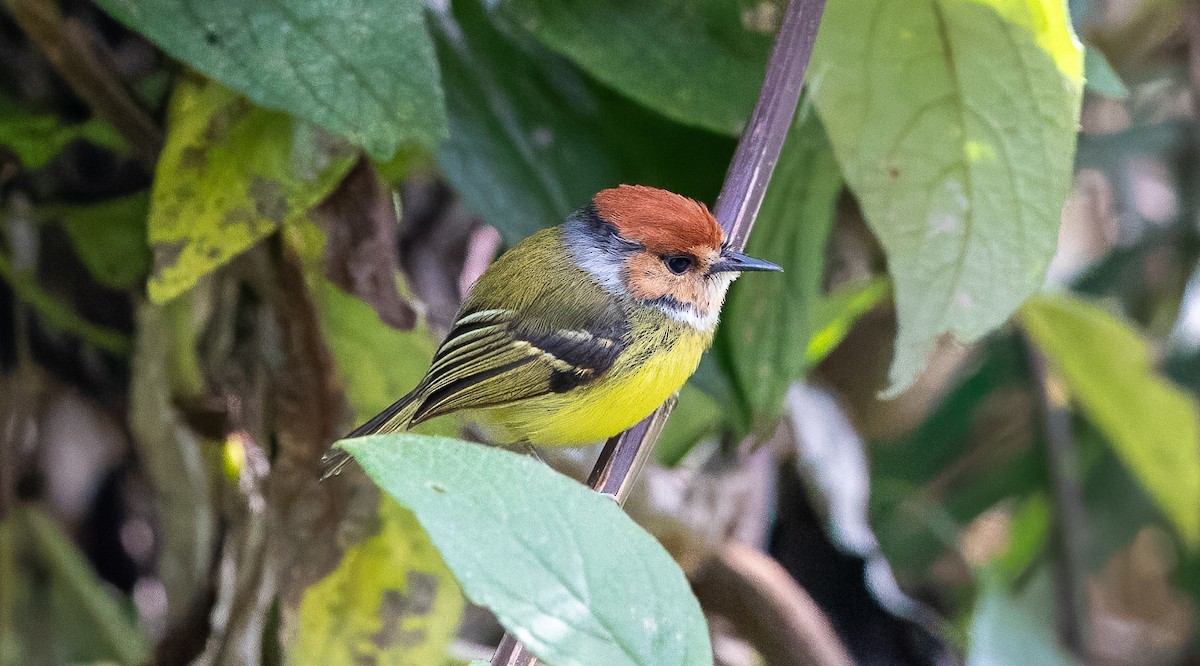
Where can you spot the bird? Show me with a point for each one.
(583, 329)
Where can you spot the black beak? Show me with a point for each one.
(740, 263)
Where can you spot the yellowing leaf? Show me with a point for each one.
(955, 124)
(230, 174)
(1153, 426)
(390, 601)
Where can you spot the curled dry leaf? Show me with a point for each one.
(360, 224)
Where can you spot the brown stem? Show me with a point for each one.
(736, 209)
(67, 45)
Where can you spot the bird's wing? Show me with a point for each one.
(498, 356)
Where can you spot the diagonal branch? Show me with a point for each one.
(736, 209)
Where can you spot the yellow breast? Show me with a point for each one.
(662, 357)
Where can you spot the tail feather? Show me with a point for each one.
(396, 417)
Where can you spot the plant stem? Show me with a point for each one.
(736, 209)
(1070, 537)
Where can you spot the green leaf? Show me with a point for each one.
(696, 415)
(699, 62)
(764, 331)
(562, 567)
(229, 175)
(954, 122)
(1152, 425)
(92, 626)
(831, 317)
(391, 600)
(1016, 628)
(532, 139)
(110, 238)
(36, 139)
(363, 70)
(60, 315)
(973, 450)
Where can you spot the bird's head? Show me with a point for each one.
(660, 249)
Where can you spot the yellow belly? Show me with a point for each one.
(613, 403)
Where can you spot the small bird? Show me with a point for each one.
(581, 330)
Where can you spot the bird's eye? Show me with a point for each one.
(678, 263)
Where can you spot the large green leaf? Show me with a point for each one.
(562, 567)
(954, 122)
(699, 62)
(364, 70)
(764, 334)
(1153, 426)
(532, 139)
(229, 175)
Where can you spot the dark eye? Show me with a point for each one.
(679, 264)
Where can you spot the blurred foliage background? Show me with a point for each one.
(961, 428)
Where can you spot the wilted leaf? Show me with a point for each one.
(1016, 627)
(955, 126)
(390, 601)
(359, 219)
(364, 70)
(229, 175)
(110, 238)
(562, 567)
(695, 61)
(1153, 426)
(532, 140)
(37, 139)
(764, 331)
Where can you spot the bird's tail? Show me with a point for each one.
(397, 417)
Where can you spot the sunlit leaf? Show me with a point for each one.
(764, 332)
(364, 70)
(390, 601)
(562, 567)
(1153, 425)
(954, 122)
(832, 316)
(699, 62)
(230, 174)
